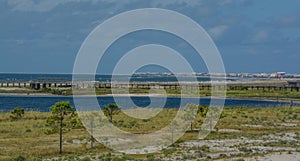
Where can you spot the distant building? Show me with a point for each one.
(232, 75)
(280, 74)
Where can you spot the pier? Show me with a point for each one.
(291, 85)
(40, 83)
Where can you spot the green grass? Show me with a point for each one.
(28, 90)
(235, 93)
(274, 94)
(27, 138)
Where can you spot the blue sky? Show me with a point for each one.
(251, 35)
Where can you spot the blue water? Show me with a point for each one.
(44, 103)
(39, 103)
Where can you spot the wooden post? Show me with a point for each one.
(38, 86)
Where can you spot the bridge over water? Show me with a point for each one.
(292, 85)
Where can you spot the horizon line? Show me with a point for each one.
(145, 73)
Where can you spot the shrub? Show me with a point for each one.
(223, 155)
(37, 159)
(204, 148)
(85, 159)
(150, 157)
(240, 159)
(17, 113)
(28, 130)
(19, 158)
(168, 152)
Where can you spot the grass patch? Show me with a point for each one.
(26, 137)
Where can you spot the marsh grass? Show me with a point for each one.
(189, 92)
(136, 125)
(241, 93)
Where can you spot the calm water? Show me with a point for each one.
(44, 103)
(39, 103)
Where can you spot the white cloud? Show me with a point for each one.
(31, 5)
(289, 21)
(47, 5)
(260, 36)
(224, 2)
(170, 2)
(217, 31)
(20, 42)
(251, 51)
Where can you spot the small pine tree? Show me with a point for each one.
(57, 121)
(110, 110)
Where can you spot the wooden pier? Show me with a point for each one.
(291, 85)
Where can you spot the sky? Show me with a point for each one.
(252, 36)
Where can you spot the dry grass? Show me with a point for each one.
(26, 137)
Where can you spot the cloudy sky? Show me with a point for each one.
(251, 35)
